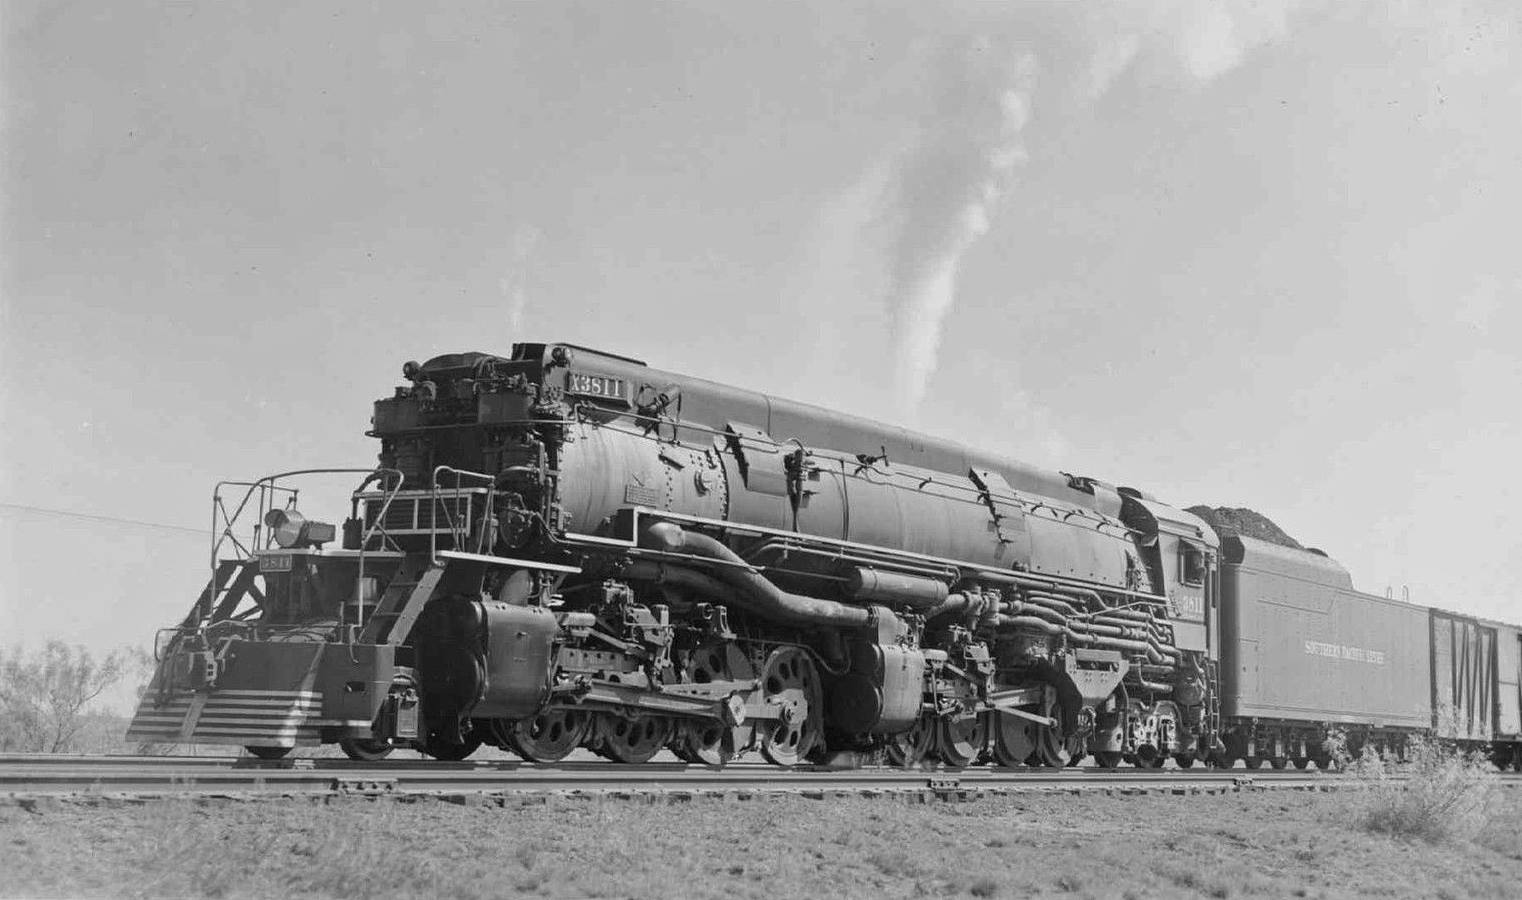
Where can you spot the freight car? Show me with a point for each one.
(567, 548)
(1304, 655)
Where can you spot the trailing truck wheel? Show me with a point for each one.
(1108, 759)
(365, 749)
(268, 752)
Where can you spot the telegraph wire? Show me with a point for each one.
(48, 511)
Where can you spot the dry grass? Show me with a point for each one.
(1447, 795)
(1266, 845)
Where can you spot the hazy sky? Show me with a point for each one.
(1243, 253)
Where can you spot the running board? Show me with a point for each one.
(506, 561)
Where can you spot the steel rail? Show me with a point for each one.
(26, 776)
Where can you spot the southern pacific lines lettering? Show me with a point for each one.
(1343, 651)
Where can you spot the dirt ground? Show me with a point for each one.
(1267, 844)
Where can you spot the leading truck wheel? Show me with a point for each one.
(269, 752)
(365, 749)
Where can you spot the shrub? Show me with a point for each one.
(44, 695)
(1443, 795)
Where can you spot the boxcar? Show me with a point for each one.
(1509, 683)
(1475, 690)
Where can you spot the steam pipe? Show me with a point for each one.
(1135, 615)
(1008, 621)
(745, 585)
(1049, 601)
(790, 548)
(968, 602)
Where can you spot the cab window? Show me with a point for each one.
(1191, 568)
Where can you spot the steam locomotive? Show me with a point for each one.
(566, 548)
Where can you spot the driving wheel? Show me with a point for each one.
(1054, 746)
(1013, 742)
(549, 736)
(909, 748)
(632, 739)
(701, 741)
(790, 684)
(959, 742)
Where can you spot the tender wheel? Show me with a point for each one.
(790, 684)
(632, 740)
(365, 749)
(959, 742)
(701, 741)
(1253, 762)
(443, 750)
(1184, 760)
(549, 736)
(910, 748)
(269, 752)
(1277, 762)
(1108, 759)
(1300, 762)
(1013, 742)
(1054, 746)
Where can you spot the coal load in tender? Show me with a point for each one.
(1247, 522)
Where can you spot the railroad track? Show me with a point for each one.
(22, 776)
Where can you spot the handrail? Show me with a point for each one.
(223, 523)
(456, 531)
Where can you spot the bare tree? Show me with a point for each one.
(43, 693)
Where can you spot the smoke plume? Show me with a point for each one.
(961, 164)
(949, 183)
(514, 283)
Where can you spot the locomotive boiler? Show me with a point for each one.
(567, 548)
